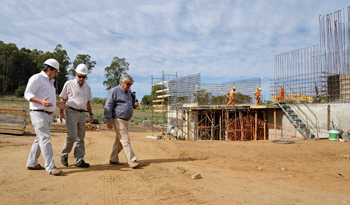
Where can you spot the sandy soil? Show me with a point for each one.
(254, 172)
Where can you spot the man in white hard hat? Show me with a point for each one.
(76, 95)
(118, 111)
(41, 94)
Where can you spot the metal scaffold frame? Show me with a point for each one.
(320, 73)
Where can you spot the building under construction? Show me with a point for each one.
(318, 74)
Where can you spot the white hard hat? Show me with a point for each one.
(53, 63)
(82, 69)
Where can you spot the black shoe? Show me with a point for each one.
(82, 164)
(115, 163)
(64, 161)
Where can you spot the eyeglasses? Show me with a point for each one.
(128, 84)
(79, 76)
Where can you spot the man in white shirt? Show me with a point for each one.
(41, 94)
(77, 95)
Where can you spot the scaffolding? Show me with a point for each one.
(320, 73)
(178, 96)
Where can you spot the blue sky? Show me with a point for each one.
(222, 40)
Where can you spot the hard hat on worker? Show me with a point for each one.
(234, 88)
(52, 63)
(82, 69)
(260, 89)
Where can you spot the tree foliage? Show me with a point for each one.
(18, 65)
(82, 58)
(113, 72)
(147, 99)
(202, 97)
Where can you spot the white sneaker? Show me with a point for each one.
(134, 164)
(56, 172)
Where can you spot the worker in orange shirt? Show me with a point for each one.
(257, 97)
(230, 96)
(281, 94)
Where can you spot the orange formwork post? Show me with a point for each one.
(274, 121)
(256, 126)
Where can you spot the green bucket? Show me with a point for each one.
(333, 135)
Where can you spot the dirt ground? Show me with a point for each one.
(253, 172)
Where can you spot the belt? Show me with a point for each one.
(77, 109)
(42, 111)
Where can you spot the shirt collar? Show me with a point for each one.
(46, 76)
(78, 82)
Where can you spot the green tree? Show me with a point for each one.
(62, 57)
(242, 99)
(113, 72)
(202, 97)
(218, 100)
(82, 58)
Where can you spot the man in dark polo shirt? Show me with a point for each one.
(118, 111)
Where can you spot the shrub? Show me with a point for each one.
(20, 91)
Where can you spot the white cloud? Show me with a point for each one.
(218, 39)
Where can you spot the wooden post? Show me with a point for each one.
(212, 126)
(328, 117)
(242, 127)
(220, 122)
(274, 121)
(256, 126)
(265, 125)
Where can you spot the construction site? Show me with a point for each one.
(310, 91)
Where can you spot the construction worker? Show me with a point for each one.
(281, 94)
(257, 97)
(76, 94)
(230, 96)
(41, 94)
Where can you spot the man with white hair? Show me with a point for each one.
(41, 94)
(77, 95)
(118, 111)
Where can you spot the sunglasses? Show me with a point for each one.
(128, 84)
(79, 76)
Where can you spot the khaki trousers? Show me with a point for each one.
(122, 141)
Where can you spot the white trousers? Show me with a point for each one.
(42, 124)
(122, 141)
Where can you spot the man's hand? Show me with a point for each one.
(137, 104)
(91, 119)
(62, 105)
(110, 125)
(46, 103)
(61, 116)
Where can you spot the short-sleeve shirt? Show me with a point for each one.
(77, 97)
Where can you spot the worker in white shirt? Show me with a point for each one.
(77, 95)
(41, 94)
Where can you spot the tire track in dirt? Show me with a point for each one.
(109, 187)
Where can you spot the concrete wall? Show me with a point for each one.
(339, 114)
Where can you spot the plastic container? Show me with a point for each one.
(333, 135)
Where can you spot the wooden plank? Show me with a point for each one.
(12, 120)
(161, 100)
(164, 90)
(163, 96)
(160, 83)
(159, 110)
(159, 106)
